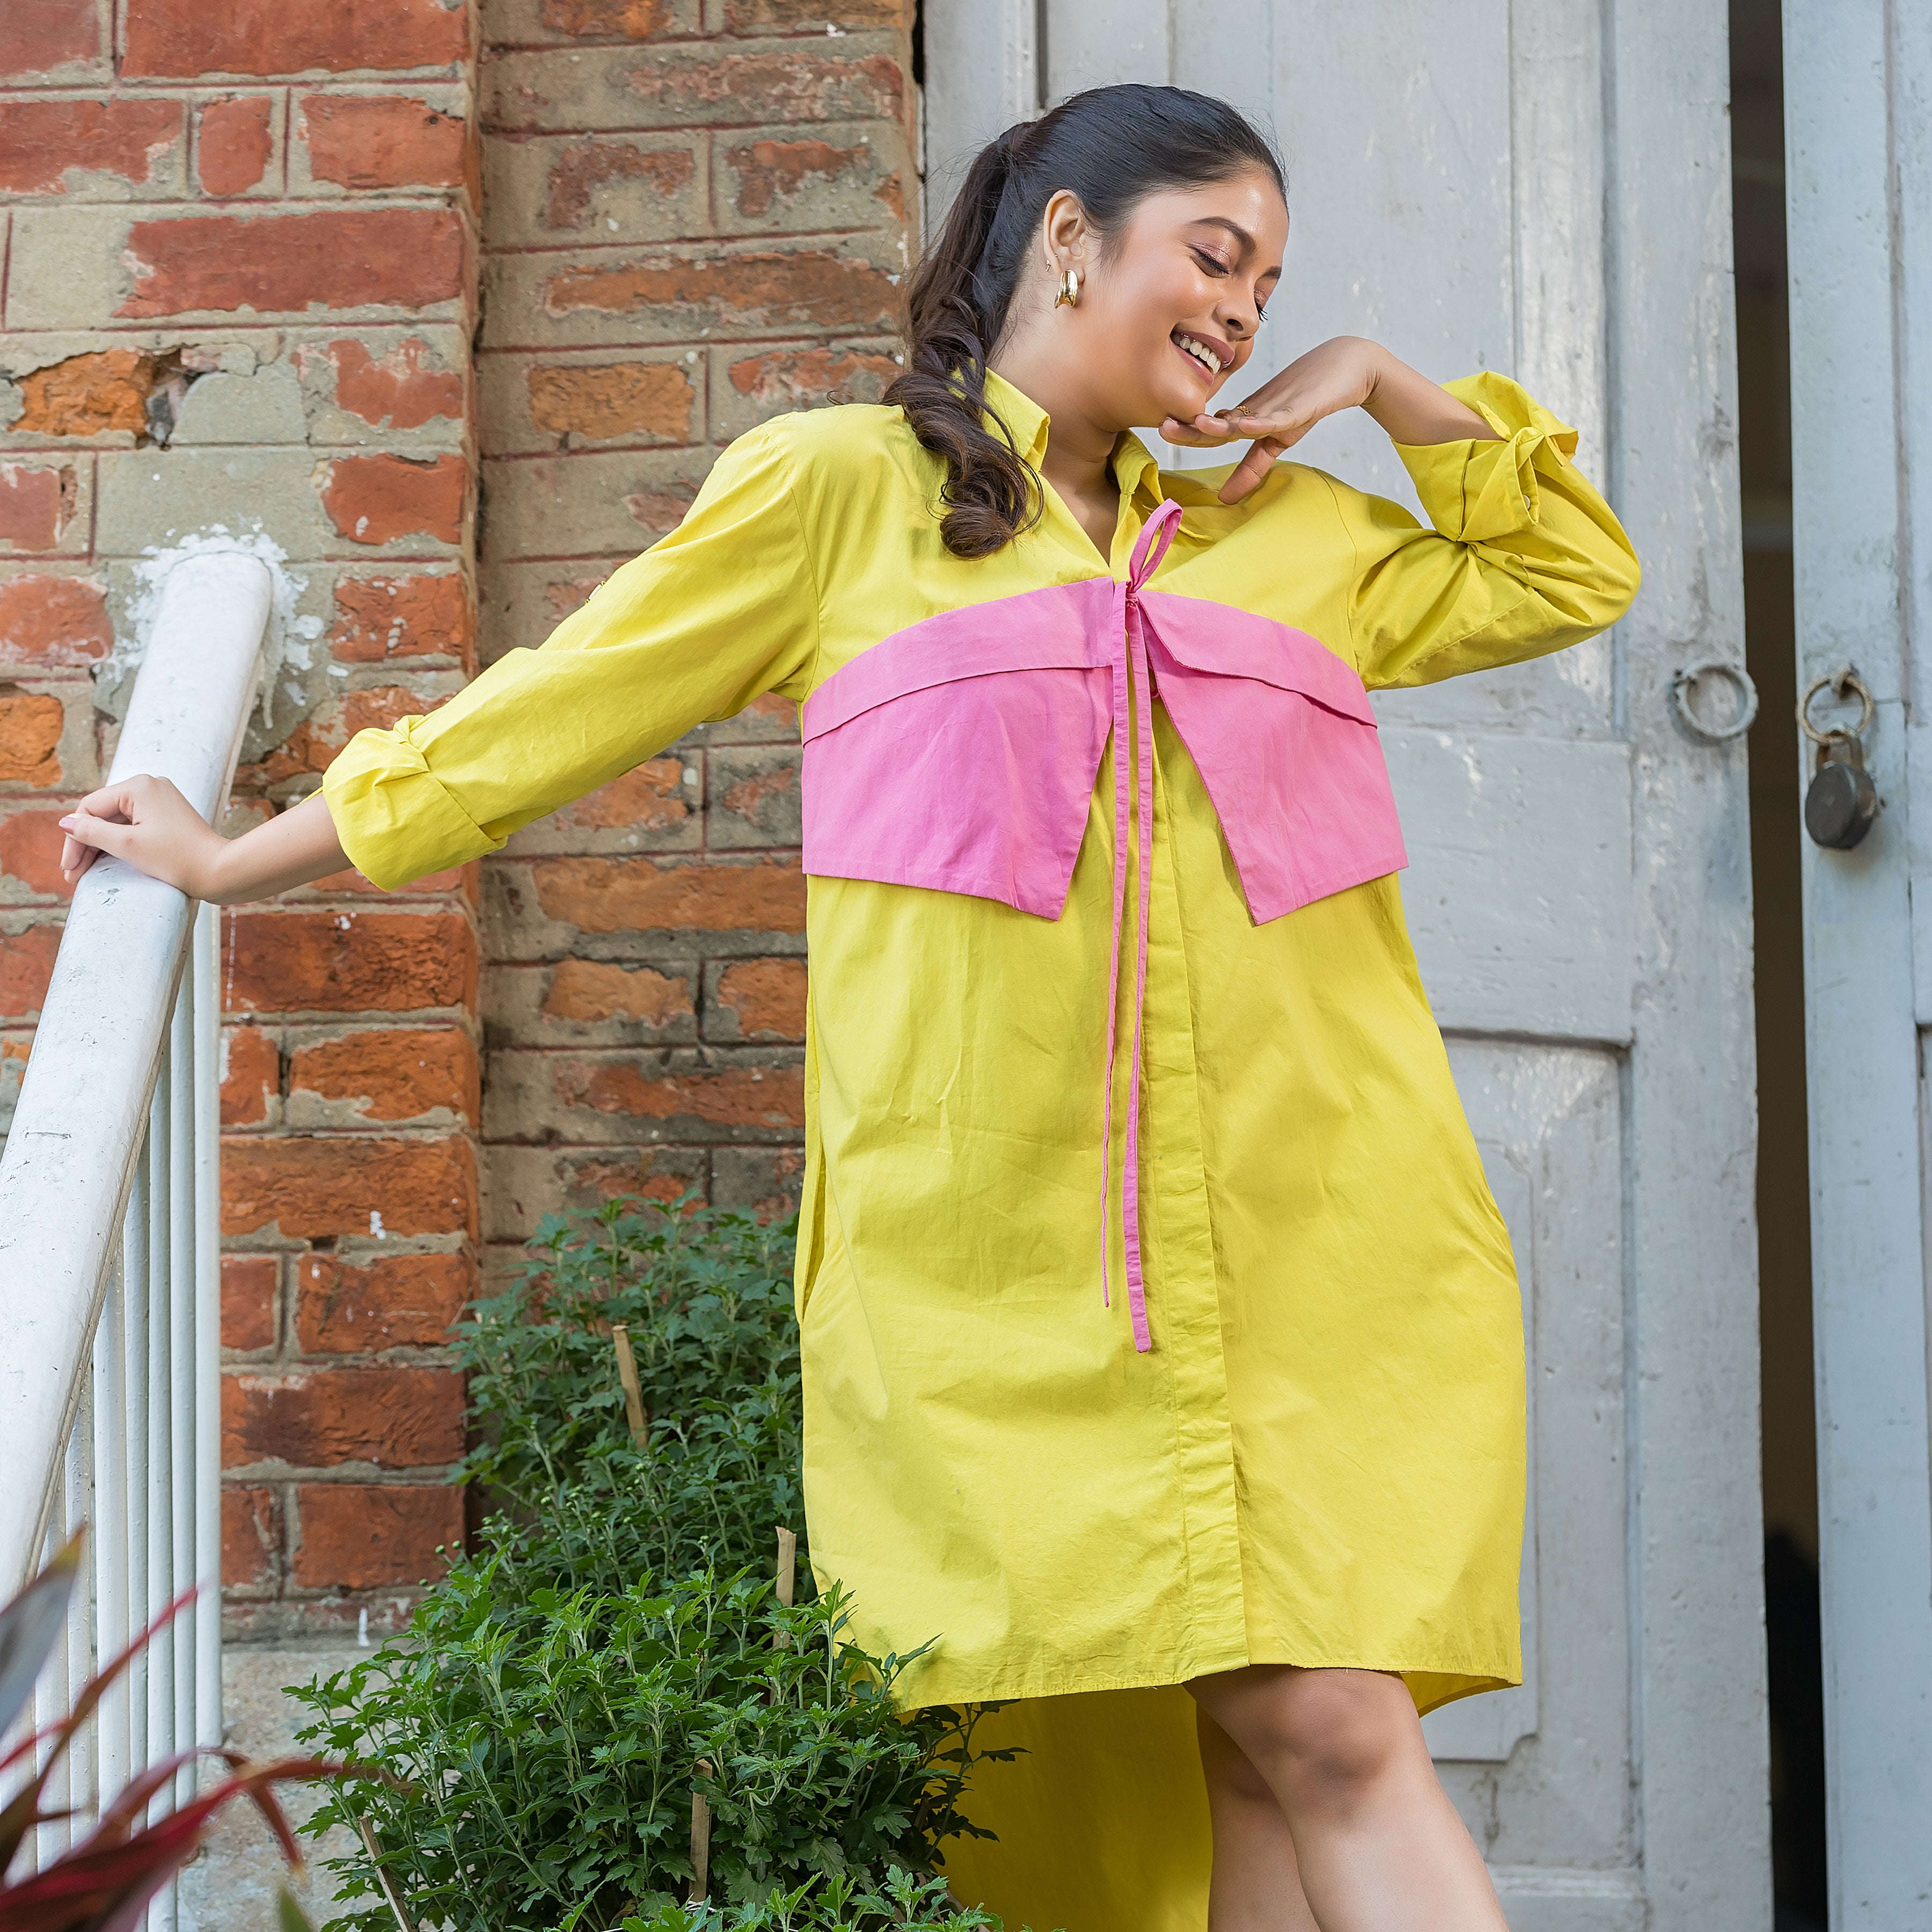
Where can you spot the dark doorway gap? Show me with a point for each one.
(1795, 1681)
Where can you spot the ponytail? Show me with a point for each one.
(1111, 146)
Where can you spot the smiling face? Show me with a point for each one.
(1169, 303)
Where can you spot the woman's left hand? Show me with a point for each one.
(1338, 374)
(1347, 372)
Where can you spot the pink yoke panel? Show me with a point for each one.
(1283, 736)
(960, 753)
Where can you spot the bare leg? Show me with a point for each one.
(1379, 1847)
(1255, 1886)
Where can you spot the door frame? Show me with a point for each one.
(1858, 170)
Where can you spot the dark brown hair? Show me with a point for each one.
(1111, 146)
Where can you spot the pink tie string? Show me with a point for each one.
(1131, 673)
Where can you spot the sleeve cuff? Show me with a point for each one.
(1478, 491)
(393, 818)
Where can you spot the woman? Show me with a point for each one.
(1162, 1343)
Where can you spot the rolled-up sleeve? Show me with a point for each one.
(720, 612)
(1521, 556)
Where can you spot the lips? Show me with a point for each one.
(1208, 353)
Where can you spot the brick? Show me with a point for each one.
(43, 141)
(813, 181)
(312, 744)
(234, 139)
(379, 141)
(612, 895)
(368, 1536)
(30, 850)
(805, 287)
(30, 723)
(754, 797)
(766, 1180)
(757, 999)
(396, 390)
(53, 621)
(347, 962)
(248, 1323)
(689, 1098)
(399, 1073)
(409, 258)
(609, 20)
(42, 34)
(814, 16)
(604, 402)
(251, 1077)
(651, 808)
(527, 1183)
(594, 502)
(588, 1003)
(89, 394)
(377, 499)
(400, 1301)
(398, 1418)
(26, 964)
(37, 502)
(590, 990)
(584, 167)
(379, 618)
(251, 1537)
(309, 1189)
(774, 381)
(693, 86)
(183, 39)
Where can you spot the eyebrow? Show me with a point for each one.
(1239, 234)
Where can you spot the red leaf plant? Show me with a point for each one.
(104, 1882)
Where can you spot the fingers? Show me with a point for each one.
(75, 858)
(1249, 471)
(86, 831)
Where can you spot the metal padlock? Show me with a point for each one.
(1841, 801)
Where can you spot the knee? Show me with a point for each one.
(1335, 1733)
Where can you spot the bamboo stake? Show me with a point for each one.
(633, 1393)
(382, 1878)
(700, 1842)
(787, 1579)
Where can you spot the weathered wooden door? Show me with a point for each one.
(1543, 187)
(1858, 173)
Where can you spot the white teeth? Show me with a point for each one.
(1201, 352)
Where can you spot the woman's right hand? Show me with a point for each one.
(147, 822)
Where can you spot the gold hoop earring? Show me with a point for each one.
(1070, 290)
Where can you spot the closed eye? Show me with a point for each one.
(1212, 263)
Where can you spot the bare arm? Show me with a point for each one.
(147, 822)
(1348, 372)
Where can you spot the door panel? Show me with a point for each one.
(1540, 187)
(1859, 146)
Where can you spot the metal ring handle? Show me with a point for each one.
(1844, 683)
(1685, 682)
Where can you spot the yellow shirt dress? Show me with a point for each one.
(1313, 1452)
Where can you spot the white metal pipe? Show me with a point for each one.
(181, 1358)
(65, 1173)
(134, 1441)
(160, 1652)
(206, 968)
(110, 1536)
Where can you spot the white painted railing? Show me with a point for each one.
(110, 1235)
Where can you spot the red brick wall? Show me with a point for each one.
(694, 218)
(239, 254)
(238, 248)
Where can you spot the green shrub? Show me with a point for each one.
(614, 1644)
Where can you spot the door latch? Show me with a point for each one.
(1841, 801)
